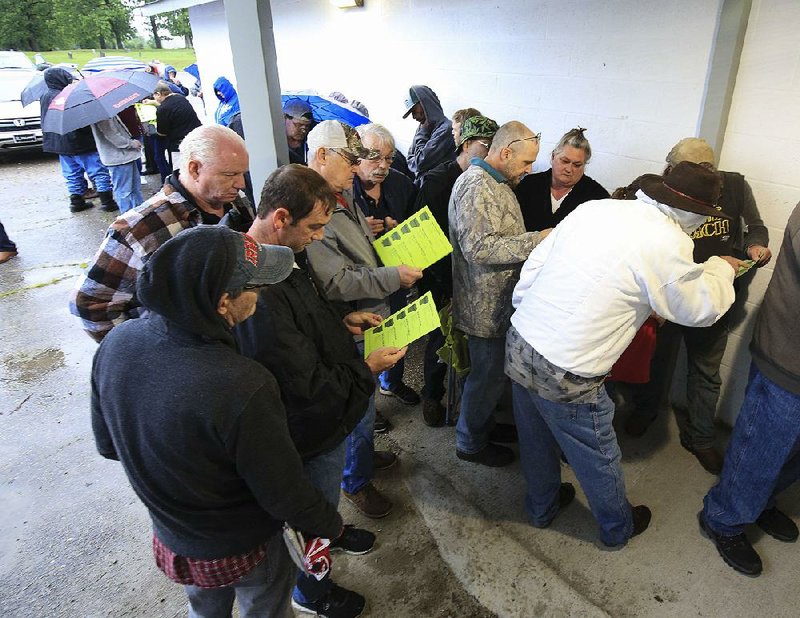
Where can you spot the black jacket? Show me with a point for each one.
(299, 336)
(199, 429)
(398, 195)
(75, 142)
(533, 195)
(175, 118)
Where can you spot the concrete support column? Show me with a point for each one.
(255, 64)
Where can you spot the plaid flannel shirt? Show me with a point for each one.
(207, 573)
(106, 295)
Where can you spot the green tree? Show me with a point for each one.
(27, 25)
(177, 24)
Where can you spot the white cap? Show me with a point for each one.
(334, 134)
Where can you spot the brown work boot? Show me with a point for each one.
(6, 255)
(370, 502)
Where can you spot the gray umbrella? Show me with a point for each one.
(36, 87)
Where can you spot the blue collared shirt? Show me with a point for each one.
(492, 172)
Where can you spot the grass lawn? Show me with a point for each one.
(179, 58)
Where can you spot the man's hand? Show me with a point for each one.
(359, 321)
(136, 144)
(760, 255)
(408, 275)
(734, 262)
(390, 223)
(544, 233)
(384, 358)
(376, 225)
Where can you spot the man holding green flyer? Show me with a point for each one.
(345, 267)
(744, 235)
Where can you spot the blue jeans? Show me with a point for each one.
(392, 378)
(264, 591)
(360, 447)
(585, 435)
(763, 457)
(127, 184)
(483, 389)
(74, 166)
(325, 473)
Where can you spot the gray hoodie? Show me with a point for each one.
(114, 142)
(433, 142)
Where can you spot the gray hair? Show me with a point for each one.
(379, 131)
(202, 144)
(576, 139)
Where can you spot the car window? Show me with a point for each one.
(15, 60)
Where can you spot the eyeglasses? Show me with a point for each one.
(351, 160)
(533, 138)
(486, 145)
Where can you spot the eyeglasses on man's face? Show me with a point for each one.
(351, 160)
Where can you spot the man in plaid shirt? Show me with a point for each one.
(205, 190)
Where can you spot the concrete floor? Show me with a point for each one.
(74, 539)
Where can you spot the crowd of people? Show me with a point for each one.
(247, 323)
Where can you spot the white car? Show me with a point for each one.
(20, 127)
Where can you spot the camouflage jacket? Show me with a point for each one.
(489, 246)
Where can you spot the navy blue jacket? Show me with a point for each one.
(75, 142)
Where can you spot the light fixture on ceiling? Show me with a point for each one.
(347, 4)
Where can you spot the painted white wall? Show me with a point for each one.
(762, 141)
(632, 72)
(213, 49)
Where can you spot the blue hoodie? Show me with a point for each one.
(176, 88)
(229, 101)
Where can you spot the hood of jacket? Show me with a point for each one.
(434, 113)
(169, 69)
(225, 88)
(185, 278)
(57, 78)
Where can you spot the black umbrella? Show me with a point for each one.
(97, 97)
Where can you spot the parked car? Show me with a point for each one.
(20, 127)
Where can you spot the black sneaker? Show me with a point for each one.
(736, 550)
(503, 432)
(405, 394)
(778, 525)
(641, 516)
(383, 460)
(382, 424)
(354, 541)
(338, 603)
(492, 455)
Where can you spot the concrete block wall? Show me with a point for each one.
(632, 72)
(762, 141)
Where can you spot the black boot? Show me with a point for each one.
(77, 203)
(107, 201)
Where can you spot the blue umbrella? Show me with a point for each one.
(325, 108)
(114, 63)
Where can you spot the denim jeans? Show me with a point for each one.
(704, 350)
(74, 166)
(483, 389)
(127, 184)
(763, 457)
(392, 378)
(325, 473)
(264, 591)
(360, 447)
(585, 435)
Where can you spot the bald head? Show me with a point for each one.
(513, 151)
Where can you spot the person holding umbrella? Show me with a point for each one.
(76, 150)
(120, 153)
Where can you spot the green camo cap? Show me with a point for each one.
(477, 126)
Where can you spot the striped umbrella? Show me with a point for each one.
(96, 97)
(113, 63)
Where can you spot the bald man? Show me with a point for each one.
(489, 246)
